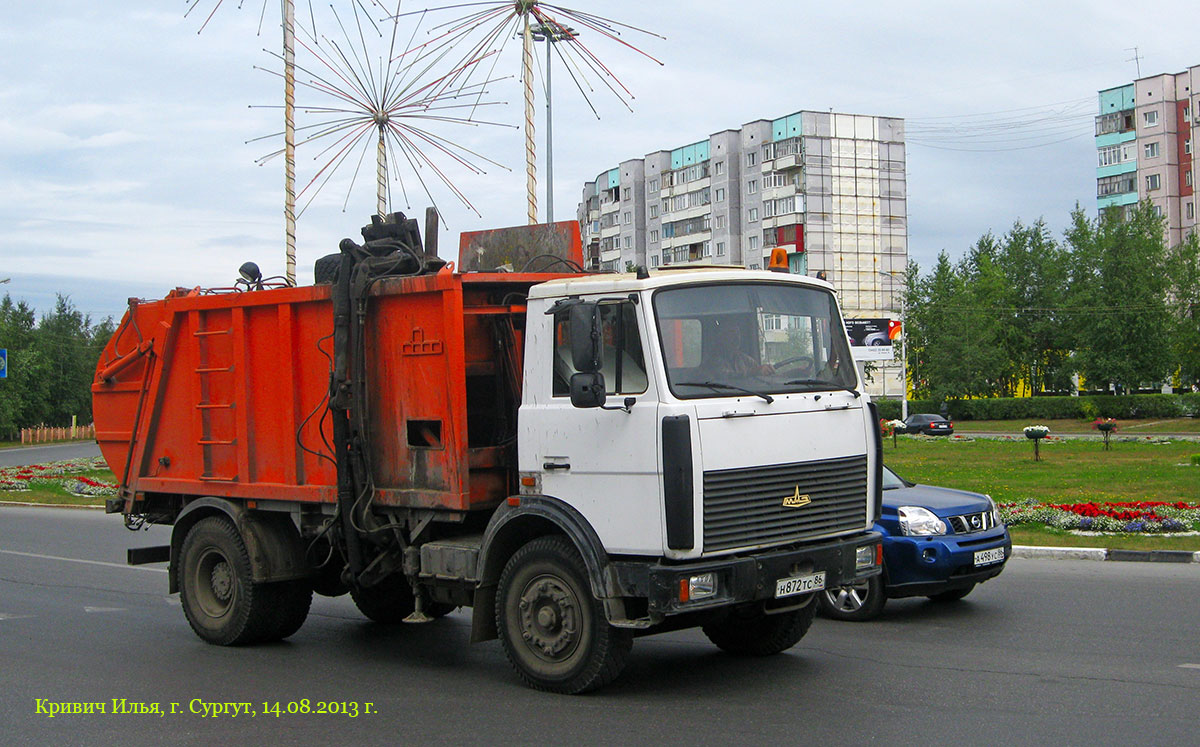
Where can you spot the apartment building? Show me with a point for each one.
(1144, 147)
(830, 188)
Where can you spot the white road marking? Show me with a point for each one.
(6, 616)
(77, 560)
(103, 609)
(1189, 666)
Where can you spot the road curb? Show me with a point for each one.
(27, 504)
(1100, 553)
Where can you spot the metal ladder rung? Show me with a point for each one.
(211, 406)
(209, 478)
(217, 443)
(209, 332)
(214, 370)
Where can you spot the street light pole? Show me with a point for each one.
(903, 348)
(550, 34)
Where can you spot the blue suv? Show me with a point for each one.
(937, 543)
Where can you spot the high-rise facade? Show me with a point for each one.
(1144, 147)
(829, 188)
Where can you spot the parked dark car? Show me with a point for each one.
(937, 543)
(930, 425)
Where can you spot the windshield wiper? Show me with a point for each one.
(719, 385)
(824, 382)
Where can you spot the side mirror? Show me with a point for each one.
(587, 389)
(587, 340)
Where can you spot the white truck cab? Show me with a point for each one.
(699, 415)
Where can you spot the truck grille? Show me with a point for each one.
(745, 506)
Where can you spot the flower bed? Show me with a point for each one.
(64, 473)
(1148, 517)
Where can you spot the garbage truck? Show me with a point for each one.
(579, 458)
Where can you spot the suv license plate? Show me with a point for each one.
(787, 587)
(987, 557)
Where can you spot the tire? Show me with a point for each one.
(222, 603)
(854, 602)
(291, 602)
(325, 269)
(553, 631)
(953, 595)
(748, 631)
(389, 601)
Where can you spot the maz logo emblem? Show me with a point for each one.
(797, 499)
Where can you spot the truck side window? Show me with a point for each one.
(624, 373)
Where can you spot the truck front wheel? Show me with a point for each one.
(749, 631)
(222, 603)
(553, 631)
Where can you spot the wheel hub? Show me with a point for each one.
(222, 581)
(549, 617)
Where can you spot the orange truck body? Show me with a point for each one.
(191, 399)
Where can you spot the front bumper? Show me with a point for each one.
(742, 578)
(920, 566)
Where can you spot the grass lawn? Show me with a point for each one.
(1142, 427)
(1071, 471)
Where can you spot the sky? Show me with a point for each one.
(128, 140)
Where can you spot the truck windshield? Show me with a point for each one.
(760, 338)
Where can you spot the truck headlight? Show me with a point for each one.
(700, 586)
(867, 556)
(916, 521)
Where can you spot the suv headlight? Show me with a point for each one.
(997, 520)
(916, 521)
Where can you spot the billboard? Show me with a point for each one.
(872, 339)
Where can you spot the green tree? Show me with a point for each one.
(1183, 271)
(25, 393)
(1118, 298)
(66, 338)
(1035, 341)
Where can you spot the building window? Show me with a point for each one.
(752, 215)
(753, 242)
(753, 265)
(1110, 155)
(653, 211)
(654, 260)
(666, 206)
(1190, 210)
(1153, 182)
(628, 242)
(751, 158)
(752, 186)
(653, 185)
(1187, 178)
(721, 219)
(654, 235)
(1151, 150)
(706, 249)
(1187, 145)
(1151, 118)
(626, 193)
(627, 218)
(721, 244)
(1158, 211)
(720, 194)
(719, 168)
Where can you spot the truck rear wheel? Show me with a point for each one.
(291, 601)
(553, 631)
(389, 601)
(748, 631)
(222, 603)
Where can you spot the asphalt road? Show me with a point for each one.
(1070, 652)
(23, 455)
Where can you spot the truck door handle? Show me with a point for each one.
(553, 465)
